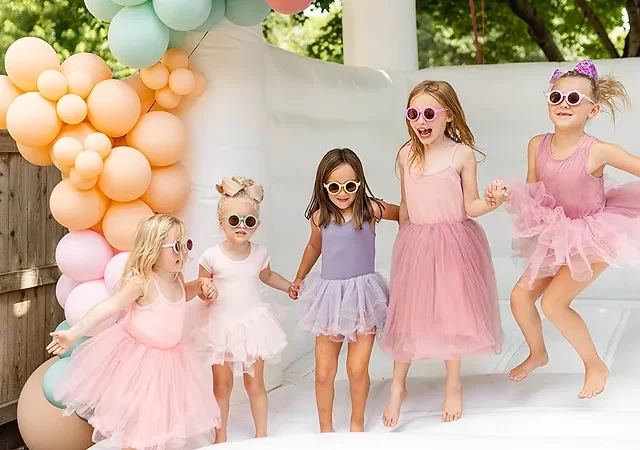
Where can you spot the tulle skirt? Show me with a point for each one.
(444, 299)
(547, 239)
(240, 343)
(343, 309)
(138, 396)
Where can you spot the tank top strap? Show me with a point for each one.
(585, 145)
(453, 156)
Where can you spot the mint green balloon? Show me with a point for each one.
(218, 9)
(246, 13)
(103, 10)
(176, 38)
(182, 15)
(63, 326)
(137, 38)
(54, 375)
(129, 2)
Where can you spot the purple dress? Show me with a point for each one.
(348, 297)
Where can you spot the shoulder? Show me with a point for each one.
(601, 148)
(377, 206)
(259, 250)
(208, 257)
(464, 156)
(534, 142)
(315, 219)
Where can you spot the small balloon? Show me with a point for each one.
(88, 63)
(81, 183)
(52, 84)
(72, 109)
(201, 84)
(175, 58)
(155, 77)
(167, 99)
(182, 81)
(98, 143)
(66, 150)
(88, 164)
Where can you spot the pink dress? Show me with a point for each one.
(138, 385)
(444, 300)
(239, 329)
(568, 218)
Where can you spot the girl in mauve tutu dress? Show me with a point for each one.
(444, 299)
(568, 227)
(137, 383)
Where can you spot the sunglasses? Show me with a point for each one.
(180, 247)
(235, 221)
(413, 114)
(573, 98)
(350, 187)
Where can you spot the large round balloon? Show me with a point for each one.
(126, 174)
(52, 378)
(84, 297)
(176, 38)
(103, 10)
(129, 2)
(40, 156)
(42, 426)
(246, 13)
(26, 59)
(169, 189)
(64, 286)
(137, 38)
(114, 107)
(121, 222)
(114, 270)
(218, 9)
(288, 6)
(75, 209)
(8, 93)
(88, 63)
(83, 255)
(32, 120)
(146, 95)
(161, 137)
(182, 15)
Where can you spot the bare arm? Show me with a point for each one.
(532, 153)
(607, 154)
(388, 211)
(311, 252)
(201, 287)
(205, 279)
(403, 213)
(274, 279)
(473, 204)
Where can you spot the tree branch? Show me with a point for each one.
(537, 28)
(595, 21)
(632, 41)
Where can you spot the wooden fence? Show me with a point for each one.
(28, 272)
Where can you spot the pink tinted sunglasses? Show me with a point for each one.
(179, 247)
(413, 114)
(556, 97)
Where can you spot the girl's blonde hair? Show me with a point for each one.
(151, 234)
(241, 188)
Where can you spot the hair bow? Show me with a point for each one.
(231, 186)
(585, 67)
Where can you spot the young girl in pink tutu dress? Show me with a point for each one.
(136, 383)
(444, 300)
(347, 300)
(567, 226)
(241, 332)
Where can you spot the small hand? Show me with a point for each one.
(499, 192)
(62, 341)
(294, 289)
(488, 197)
(208, 291)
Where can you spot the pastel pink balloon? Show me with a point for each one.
(84, 297)
(64, 286)
(83, 255)
(113, 271)
(289, 6)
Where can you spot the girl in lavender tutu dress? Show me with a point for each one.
(567, 226)
(137, 383)
(347, 301)
(444, 300)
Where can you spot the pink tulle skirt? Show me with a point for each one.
(138, 396)
(547, 239)
(444, 299)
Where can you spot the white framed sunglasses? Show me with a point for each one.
(350, 187)
(574, 98)
(179, 247)
(234, 221)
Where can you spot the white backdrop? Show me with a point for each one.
(271, 115)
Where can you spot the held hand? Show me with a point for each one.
(499, 192)
(62, 341)
(488, 197)
(294, 289)
(208, 291)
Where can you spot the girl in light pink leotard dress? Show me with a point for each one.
(137, 383)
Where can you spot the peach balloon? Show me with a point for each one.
(42, 425)
(80, 83)
(79, 132)
(155, 77)
(76, 209)
(89, 63)
(8, 93)
(114, 107)
(99, 143)
(167, 99)
(88, 164)
(98, 228)
(169, 189)
(120, 223)
(32, 120)
(146, 95)
(64, 175)
(126, 174)
(72, 109)
(66, 150)
(26, 59)
(161, 137)
(201, 84)
(52, 84)
(40, 156)
(175, 58)
(81, 183)
(182, 81)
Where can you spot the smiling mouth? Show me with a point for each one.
(424, 133)
(564, 114)
(342, 200)
(240, 233)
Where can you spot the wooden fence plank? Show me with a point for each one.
(7, 144)
(28, 278)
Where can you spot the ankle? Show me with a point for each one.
(596, 364)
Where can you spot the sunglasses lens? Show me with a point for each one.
(250, 221)
(351, 187)
(573, 98)
(555, 97)
(333, 188)
(233, 220)
(429, 114)
(412, 114)
(189, 244)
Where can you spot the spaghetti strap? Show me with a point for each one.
(454, 153)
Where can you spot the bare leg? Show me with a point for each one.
(222, 386)
(523, 307)
(327, 352)
(452, 409)
(397, 395)
(556, 306)
(258, 398)
(359, 381)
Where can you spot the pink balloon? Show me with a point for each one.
(289, 6)
(83, 255)
(64, 286)
(84, 297)
(114, 269)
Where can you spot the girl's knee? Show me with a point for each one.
(551, 307)
(222, 386)
(254, 387)
(357, 371)
(326, 373)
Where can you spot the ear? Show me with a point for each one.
(594, 111)
(220, 224)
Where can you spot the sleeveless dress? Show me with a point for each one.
(568, 218)
(138, 384)
(444, 299)
(348, 297)
(239, 329)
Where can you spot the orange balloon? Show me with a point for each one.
(161, 137)
(88, 63)
(72, 109)
(80, 83)
(81, 183)
(26, 59)
(146, 95)
(175, 58)
(182, 81)
(76, 209)
(98, 228)
(79, 132)
(64, 175)
(167, 99)
(121, 221)
(88, 164)
(114, 107)
(155, 77)
(65, 151)
(126, 174)
(32, 120)
(99, 143)
(8, 93)
(40, 156)
(201, 84)
(52, 84)
(169, 189)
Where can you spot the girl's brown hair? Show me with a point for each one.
(362, 209)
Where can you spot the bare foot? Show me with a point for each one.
(595, 379)
(220, 438)
(452, 409)
(532, 362)
(357, 426)
(331, 430)
(391, 412)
